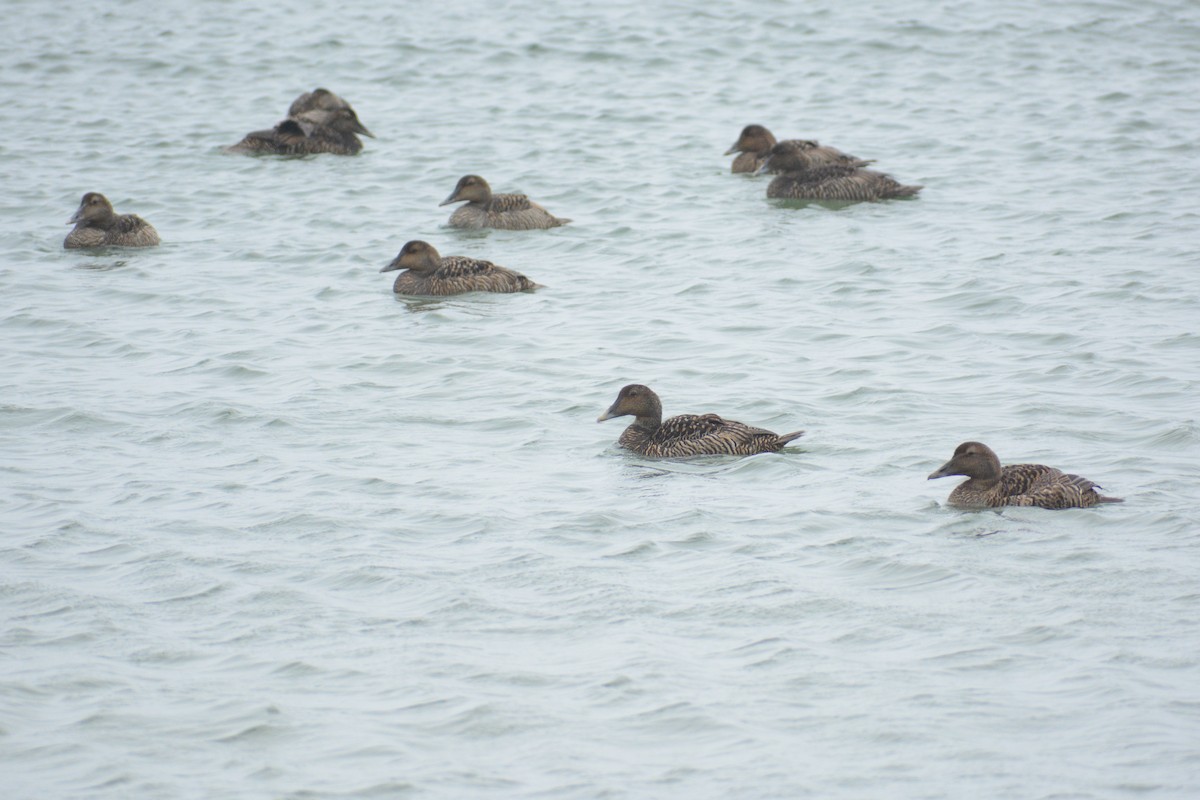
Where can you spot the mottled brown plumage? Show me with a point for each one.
(428, 273)
(755, 144)
(989, 485)
(514, 212)
(839, 184)
(318, 122)
(98, 225)
(687, 434)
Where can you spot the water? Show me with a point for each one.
(272, 532)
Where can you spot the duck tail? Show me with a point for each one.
(1111, 499)
(784, 438)
(908, 191)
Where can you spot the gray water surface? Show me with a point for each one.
(270, 531)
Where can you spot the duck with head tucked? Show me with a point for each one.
(426, 272)
(990, 485)
(317, 122)
(686, 434)
(755, 143)
(98, 225)
(831, 182)
(514, 212)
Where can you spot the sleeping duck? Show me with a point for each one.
(318, 122)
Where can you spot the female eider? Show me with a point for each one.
(514, 212)
(832, 182)
(97, 225)
(989, 485)
(314, 130)
(687, 434)
(427, 273)
(755, 144)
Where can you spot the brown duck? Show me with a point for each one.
(755, 144)
(989, 485)
(687, 434)
(97, 225)
(322, 127)
(514, 212)
(427, 273)
(832, 182)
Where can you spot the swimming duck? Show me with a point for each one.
(833, 182)
(755, 143)
(687, 434)
(315, 130)
(427, 273)
(97, 225)
(989, 485)
(514, 212)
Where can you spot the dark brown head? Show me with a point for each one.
(754, 139)
(346, 121)
(94, 211)
(471, 188)
(415, 255)
(638, 401)
(316, 99)
(788, 156)
(973, 459)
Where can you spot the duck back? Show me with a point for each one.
(514, 212)
(838, 183)
(125, 230)
(459, 275)
(702, 434)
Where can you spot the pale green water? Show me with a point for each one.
(271, 532)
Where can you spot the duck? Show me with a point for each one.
(315, 129)
(801, 180)
(514, 212)
(426, 272)
(990, 485)
(687, 434)
(756, 142)
(98, 225)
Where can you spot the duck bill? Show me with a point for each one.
(762, 167)
(393, 266)
(612, 412)
(453, 198)
(731, 150)
(77, 217)
(944, 471)
(360, 128)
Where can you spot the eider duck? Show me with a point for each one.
(427, 273)
(514, 212)
(756, 142)
(687, 434)
(97, 225)
(314, 130)
(832, 182)
(989, 485)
